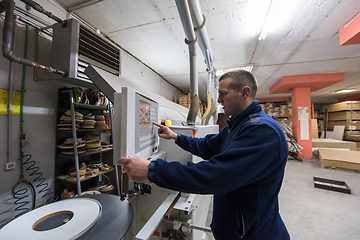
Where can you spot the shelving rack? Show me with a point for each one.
(344, 113)
(63, 104)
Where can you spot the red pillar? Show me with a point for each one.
(301, 117)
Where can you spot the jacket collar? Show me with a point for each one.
(254, 107)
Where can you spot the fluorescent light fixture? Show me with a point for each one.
(223, 71)
(345, 91)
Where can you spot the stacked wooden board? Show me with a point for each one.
(332, 143)
(340, 159)
(346, 114)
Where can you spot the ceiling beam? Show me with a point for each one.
(350, 34)
(314, 81)
(350, 98)
(277, 99)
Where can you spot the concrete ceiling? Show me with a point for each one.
(303, 39)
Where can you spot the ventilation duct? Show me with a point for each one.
(75, 47)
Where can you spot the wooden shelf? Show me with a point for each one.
(66, 103)
(86, 154)
(63, 177)
(86, 130)
(88, 106)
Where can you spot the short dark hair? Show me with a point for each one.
(240, 79)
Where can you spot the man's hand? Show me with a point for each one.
(165, 132)
(136, 167)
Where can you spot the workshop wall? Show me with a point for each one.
(39, 126)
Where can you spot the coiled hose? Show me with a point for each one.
(21, 194)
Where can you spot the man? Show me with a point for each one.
(245, 166)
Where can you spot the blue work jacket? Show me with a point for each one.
(244, 171)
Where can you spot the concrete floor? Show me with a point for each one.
(315, 214)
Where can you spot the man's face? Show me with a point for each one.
(229, 98)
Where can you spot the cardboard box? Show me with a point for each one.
(342, 106)
(332, 143)
(349, 125)
(314, 129)
(344, 116)
(352, 135)
(348, 160)
(357, 146)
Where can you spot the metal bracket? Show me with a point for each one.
(185, 203)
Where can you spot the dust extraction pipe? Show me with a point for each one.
(198, 20)
(7, 46)
(190, 40)
(198, 25)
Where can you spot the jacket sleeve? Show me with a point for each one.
(202, 147)
(252, 156)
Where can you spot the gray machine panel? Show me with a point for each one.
(134, 135)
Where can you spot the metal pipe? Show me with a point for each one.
(9, 24)
(198, 20)
(78, 186)
(8, 33)
(111, 140)
(194, 88)
(201, 228)
(11, 75)
(10, 114)
(27, 14)
(184, 12)
(188, 225)
(39, 8)
(190, 40)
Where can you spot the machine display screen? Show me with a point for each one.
(147, 112)
(144, 112)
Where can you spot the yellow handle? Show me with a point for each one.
(167, 122)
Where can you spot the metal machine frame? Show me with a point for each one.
(190, 211)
